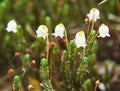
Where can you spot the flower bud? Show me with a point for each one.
(33, 62)
(10, 71)
(23, 70)
(52, 44)
(30, 87)
(86, 20)
(17, 54)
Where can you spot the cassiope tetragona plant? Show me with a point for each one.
(12, 26)
(42, 31)
(80, 40)
(103, 31)
(44, 75)
(94, 14)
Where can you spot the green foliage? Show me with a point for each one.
(16, 83)
(43, 63)
(44, 75)
(26, 60)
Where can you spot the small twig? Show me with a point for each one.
(11, 84)
(95, 35)
(47, 48)
(83, 52)
(55, 39)
(11, 73)
(92, 26)
(102, 2)
(51, 65)
(88, 30)
(66, 38)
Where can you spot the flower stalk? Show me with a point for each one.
(66, 38)
(96, 85)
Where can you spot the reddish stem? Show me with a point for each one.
(11, 83)
(51, 65)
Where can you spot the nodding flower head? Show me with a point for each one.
(80, 40)
(103, 31)
(12, 26)
(94, 14)
(42, 31)
(59, 30)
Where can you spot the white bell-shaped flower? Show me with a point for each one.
(101, 86)
(103, 31)
(94, 14)
(42, 31)
(80, 40)
(59, 30)
(12, 26)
